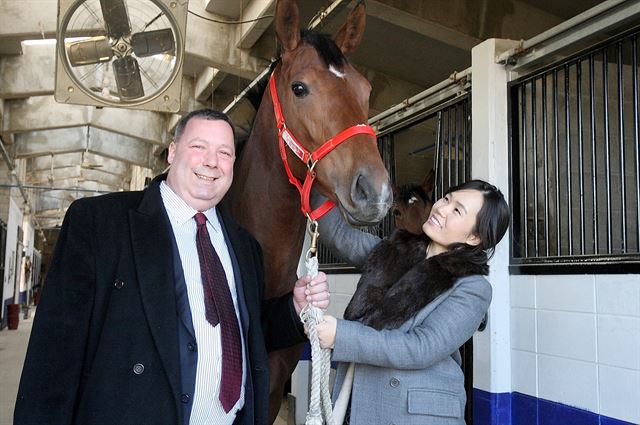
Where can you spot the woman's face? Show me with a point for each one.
(453, 219)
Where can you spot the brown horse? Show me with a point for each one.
(412, 204)
(320, 95)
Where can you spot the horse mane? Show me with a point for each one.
(325, 46)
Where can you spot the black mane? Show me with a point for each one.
(325, 46)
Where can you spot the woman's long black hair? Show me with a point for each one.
(492, 222)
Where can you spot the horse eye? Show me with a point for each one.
(299, 89)
(397, 213)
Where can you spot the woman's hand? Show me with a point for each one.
(327, 331)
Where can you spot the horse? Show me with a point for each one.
(412, 204)
(311, 120)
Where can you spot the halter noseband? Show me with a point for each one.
(309, 158)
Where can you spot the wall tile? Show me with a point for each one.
(565, 334)
(523, 329)
(343, 283)
(523, 291)
(619, 341)
(620, 393)
(523, 372)
(618, 294)
(566, 293)
(567, 381)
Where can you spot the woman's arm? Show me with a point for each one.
(348, 243)
(441, 332)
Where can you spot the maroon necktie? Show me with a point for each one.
(219, 309)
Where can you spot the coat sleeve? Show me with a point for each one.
(52, 369)
(439, 334)
(348, 243)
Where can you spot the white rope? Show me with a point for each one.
(320, 411)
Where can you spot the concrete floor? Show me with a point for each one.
(13, 347)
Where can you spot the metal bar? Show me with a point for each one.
(580, 151)
(525, 209)
(607, 163)
(465, 122)
(322, 15)
(534, 142)
(438, 176)
(592, 112)
(636, 133)
(453, 79)
(597, 20)
(567, 129)
(457, 148)
(623, 191)
(546, 163)
(556, 140)
(450, 137)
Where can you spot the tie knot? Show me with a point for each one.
(200, 218)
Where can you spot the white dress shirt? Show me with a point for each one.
(207, 408)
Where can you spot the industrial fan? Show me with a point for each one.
(125, 53)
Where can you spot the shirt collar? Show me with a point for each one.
(180, 212)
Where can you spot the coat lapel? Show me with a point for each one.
(152, 251)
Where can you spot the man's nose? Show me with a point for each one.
(211, 159)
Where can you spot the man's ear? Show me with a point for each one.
(473, 240)
(171, 151)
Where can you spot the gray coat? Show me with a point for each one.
(412, 374)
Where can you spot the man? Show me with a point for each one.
(129, 329)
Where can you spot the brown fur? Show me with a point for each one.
(398, 280)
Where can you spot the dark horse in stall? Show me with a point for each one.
(412, 204)
(320, 95)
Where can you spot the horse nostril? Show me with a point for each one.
(361, 189)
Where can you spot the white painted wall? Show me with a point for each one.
(490, 156)
(13, 221)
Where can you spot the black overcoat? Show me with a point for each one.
(109, 307)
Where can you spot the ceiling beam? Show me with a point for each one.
(420, 25)
(77, 139)
(207, 82)
(257, 16)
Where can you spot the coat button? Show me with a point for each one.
(138, 368)
(394, 382)
(191, 346)
(118, 284)
(185, 398)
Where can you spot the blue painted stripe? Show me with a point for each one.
(521, 409)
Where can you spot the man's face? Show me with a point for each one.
(202, 163)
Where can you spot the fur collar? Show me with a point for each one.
(398, 280)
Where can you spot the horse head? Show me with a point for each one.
(412, 204)
(321, 95)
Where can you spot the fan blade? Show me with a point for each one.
(115, 17)
(87, 52)
(128, 78)
(152, 42)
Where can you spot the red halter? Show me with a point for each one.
(310, 159)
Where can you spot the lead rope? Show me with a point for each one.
(320, 410)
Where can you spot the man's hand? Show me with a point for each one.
(317, 293)
(327, 331)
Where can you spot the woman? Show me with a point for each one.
(420, 297)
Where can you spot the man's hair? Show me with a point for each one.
(205, 114)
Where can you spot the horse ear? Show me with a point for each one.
(287, 21)
(350, 35)
(429, 182)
